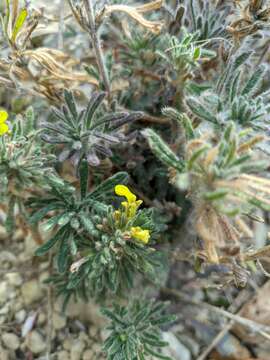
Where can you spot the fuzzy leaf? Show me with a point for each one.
(49, 244)
(200, 110)
(162, 151)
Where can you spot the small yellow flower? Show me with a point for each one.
(132, 204)
(3, 126)
(122, 190)
(139, 234)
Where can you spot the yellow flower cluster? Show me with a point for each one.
(131, 206)
(3, 126)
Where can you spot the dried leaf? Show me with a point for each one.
(135, 13)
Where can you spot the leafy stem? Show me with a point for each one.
(96, 44)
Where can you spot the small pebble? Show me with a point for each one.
(20, 316)
(36, 342)
(4, 292)
(11, 341)
(63, 355)
(76, 349)
(59, 322)
(88, 354)
(14, 279)
(31, 292)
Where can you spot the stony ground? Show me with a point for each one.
(26, 317)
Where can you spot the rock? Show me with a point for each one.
(256, 309)
(3, 233)
(191, 344)
(77, 349)
(31, 292)
(4, 292)
(175, 348)
(14, 279)
(7, 257)
(20, 316)
(11, 341)
(63, 355)
(231, 348)
(5, 309)
(96, 348)
(35, 342)
(44, 276)
(59, 322)
(4, 354)
(67, 344)
(2, 319)
(18, 235)
(12, 295)
(86, 312)
(93, 331)
(83, 336)
(29, 246)
(41, 318)
(88, 354)
(18, 304)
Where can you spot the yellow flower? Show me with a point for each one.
(3, 126)
(132, 204)
(122, 190)
(139, 234)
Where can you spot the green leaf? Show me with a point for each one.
(28, 124)
(200, 110)
(84, 174)
(156, 354)
(240, 59)
(40, 214)
(87, 223)
(215, 195)
(70, 101)
(181, 118)
(229, 131)
(196, 155)
(234, 86)
(10, 220)
(197, 53)
(49, 244)
(19, 23)
(162, 151)
(93, 104)
(62, 257)
(255, 78)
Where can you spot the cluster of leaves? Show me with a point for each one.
(95, 253)
(23, 162)
(183, 66)
(217, 171)
(234, 97)
(88, 134)
(135, 331)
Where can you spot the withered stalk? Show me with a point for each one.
(96, 44)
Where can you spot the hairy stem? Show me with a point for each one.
(96, 44)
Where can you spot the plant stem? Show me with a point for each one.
(96, 44)
(254, 326)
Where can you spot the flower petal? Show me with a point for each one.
(3, 129)
(122, 190)
(139, 234)
(3, 116)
